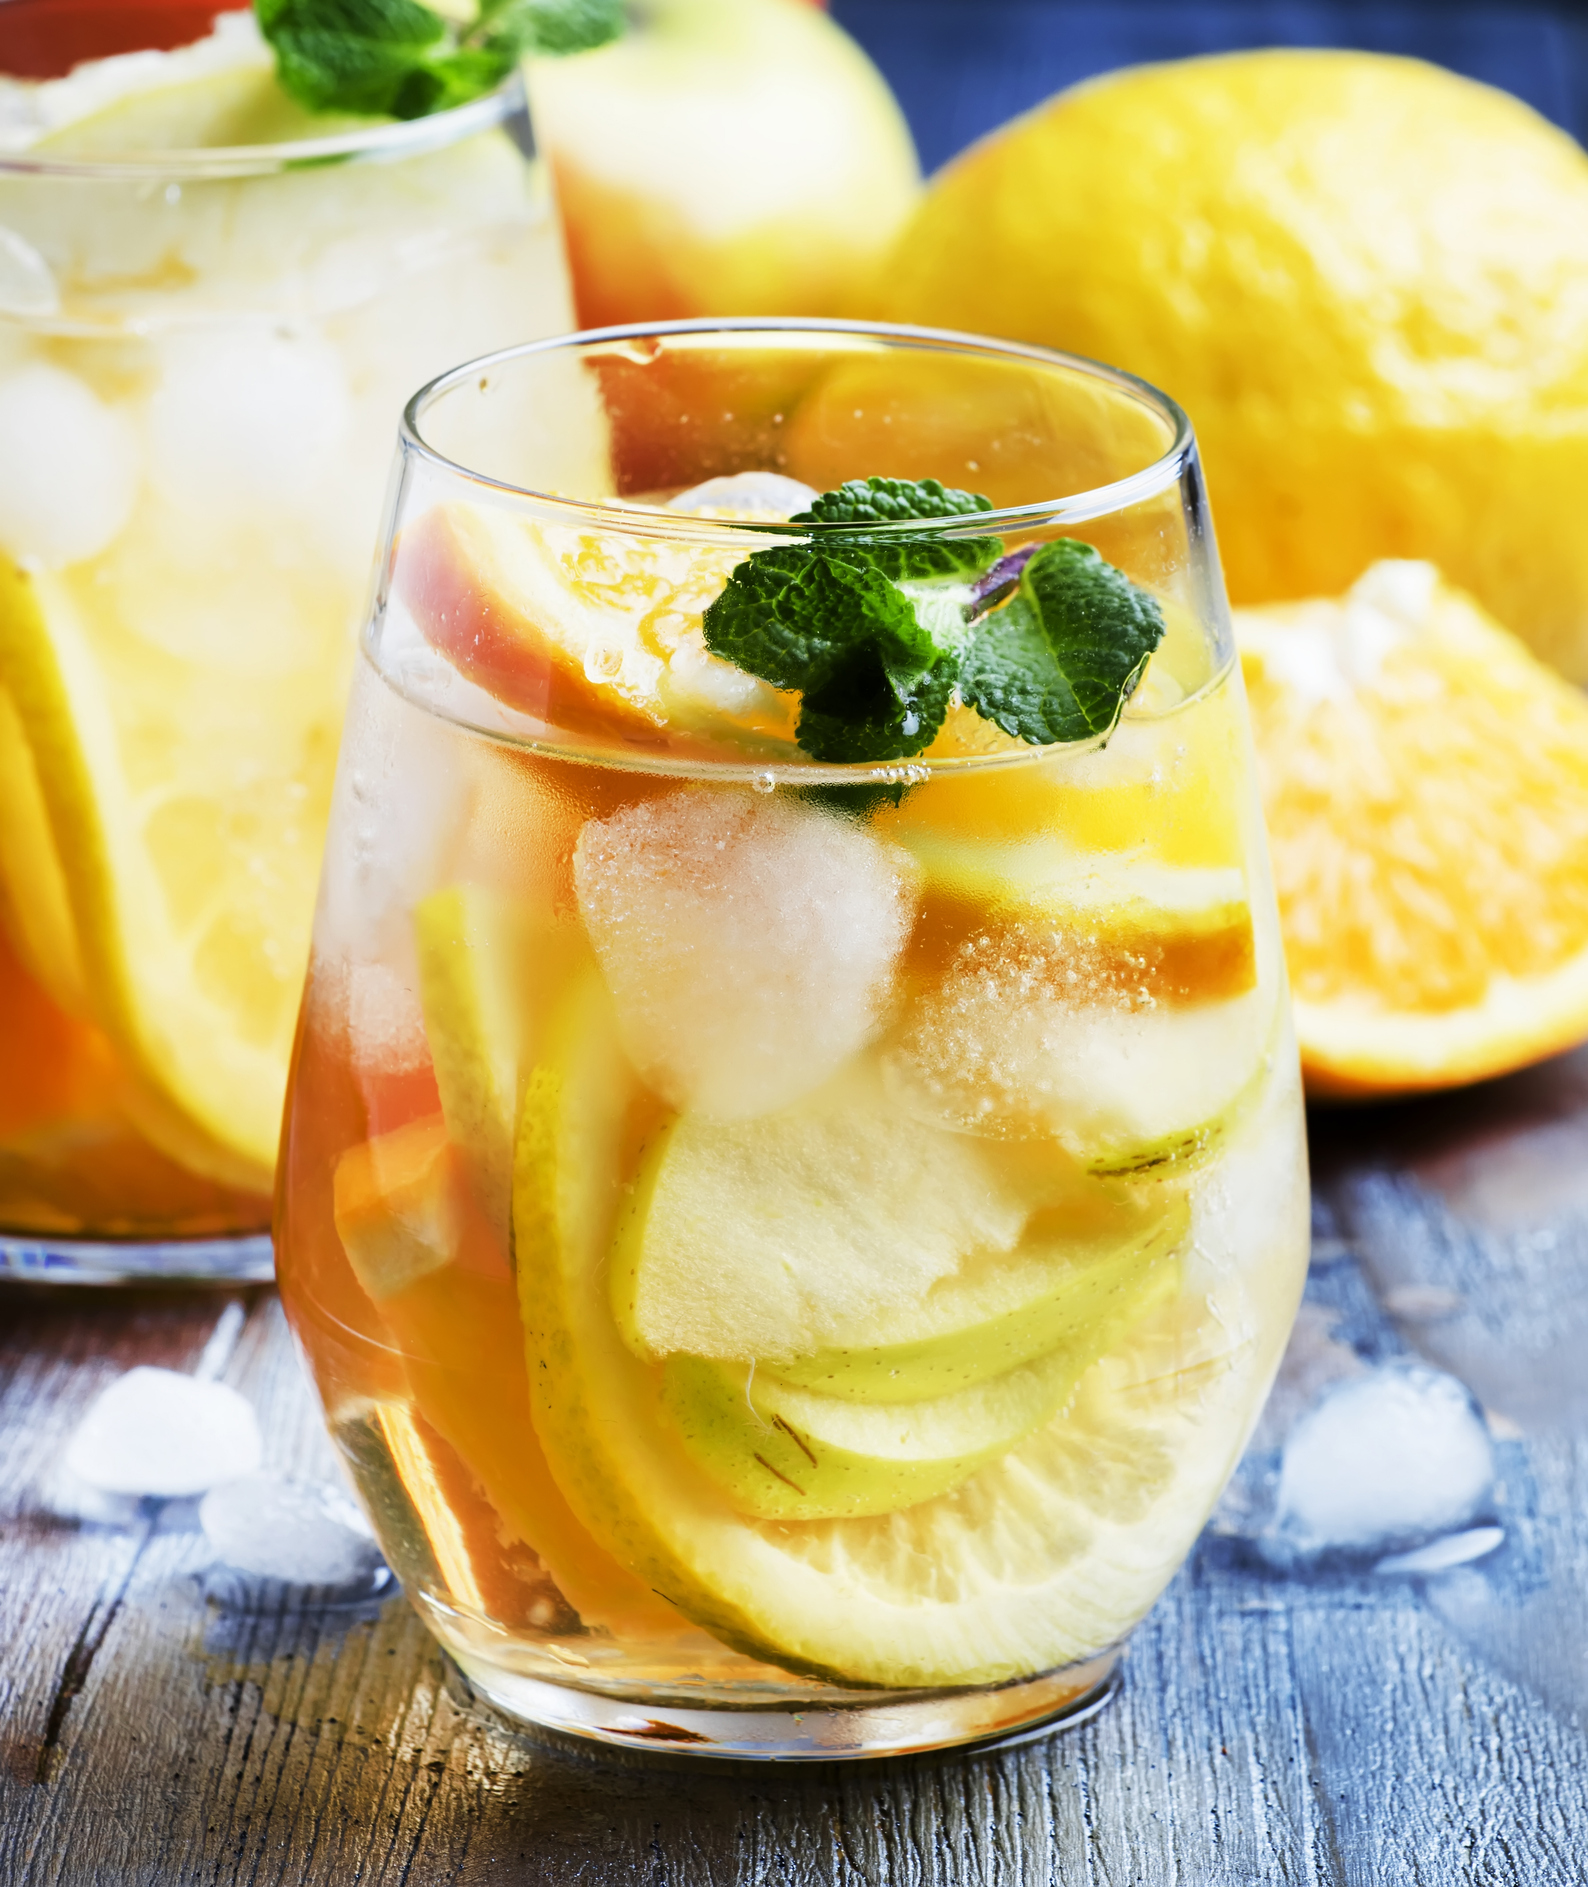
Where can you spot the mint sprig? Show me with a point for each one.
(401, 59)
(876, 631)
(1063, 655)
(867, 629)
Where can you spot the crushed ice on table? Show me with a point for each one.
(748, 943)
(1384, 1460)
(297, 1532)
(768, 492)
(157, 1432)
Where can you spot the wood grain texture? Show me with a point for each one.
(160, 1724)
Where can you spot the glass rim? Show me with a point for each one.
(384, 141)
(653, 520)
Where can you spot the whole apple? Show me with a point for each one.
(727, 157)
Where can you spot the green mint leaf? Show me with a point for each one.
(904, 558)
(349, 55)
(864, 713)
(891, 501)
(557, 27)
(794, 617)
(400, 59)
(1059, 660)
(867, 628)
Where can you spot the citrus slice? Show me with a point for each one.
(596, 633)
(238, 105)
(180, 816)
(1426, 785)
(1039, 1559)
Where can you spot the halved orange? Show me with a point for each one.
(1426, 786)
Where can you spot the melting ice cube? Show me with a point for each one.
(243, 420)
(156, 1431)
(749, 944)
(307, 1533)
(768, 492)
(68, 467)
(1393, 1456)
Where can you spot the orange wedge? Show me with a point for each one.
(1426, 786)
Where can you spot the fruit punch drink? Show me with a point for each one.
(212, 306)
(794, 1187)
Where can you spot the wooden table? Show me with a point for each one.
(1341, 1728)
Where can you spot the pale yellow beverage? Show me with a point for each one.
(792, 1249)
(212, 306)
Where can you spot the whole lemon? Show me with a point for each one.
(1365, 279)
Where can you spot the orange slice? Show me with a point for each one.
(1426, 786)
(596, 633)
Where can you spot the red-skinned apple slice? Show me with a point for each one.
(595, 635)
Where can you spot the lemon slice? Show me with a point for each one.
(172, 830)
(1039, 1559)
(240, 106)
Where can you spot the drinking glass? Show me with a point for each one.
(790, 1251)
(203, 353)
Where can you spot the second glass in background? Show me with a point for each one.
(203, 356)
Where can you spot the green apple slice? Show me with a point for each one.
(782, 1453)
(1043, 1556)
(829, 1222)
(483, 958)
(1078, 1295)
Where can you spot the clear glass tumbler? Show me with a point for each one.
(203, 353)
(792, 1248)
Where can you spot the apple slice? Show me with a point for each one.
(826, 1223)
(396, 1207)
(596, 634)
(1077, 1297)
(486, 963)
(782, 1453)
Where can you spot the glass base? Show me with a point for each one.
(246, 1259)
(906, 1725)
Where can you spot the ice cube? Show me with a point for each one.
(749, 943)
(385, 1023)
(68, 467)
(1043, 1032)
(765, 492)
(246, 420)
(1396, 1455)
(404, 787)
(27, 282)
(1455, 1549)
(156, 1431)
(307, 1533)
